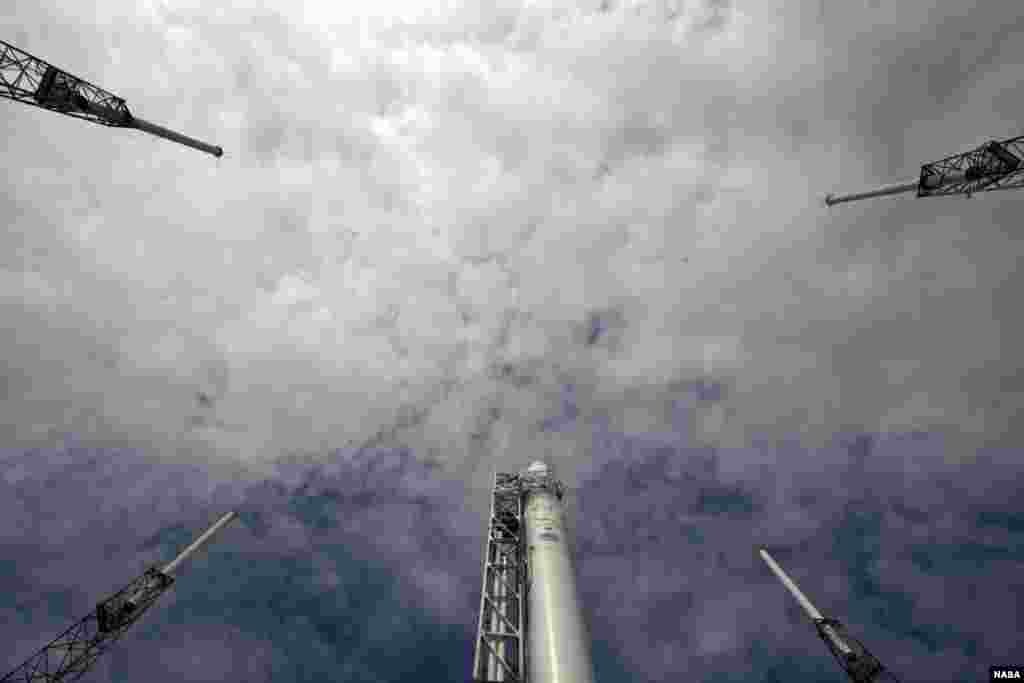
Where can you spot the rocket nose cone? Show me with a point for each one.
(538, 467)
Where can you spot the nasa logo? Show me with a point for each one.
(1005, 673)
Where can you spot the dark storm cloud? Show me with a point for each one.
(920, 561)
(303, 584)
(330, 561)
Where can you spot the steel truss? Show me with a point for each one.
(500, 652)
(992, 166)
(73, 652)
(33, 81)
(860, 665)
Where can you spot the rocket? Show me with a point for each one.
(558, 646)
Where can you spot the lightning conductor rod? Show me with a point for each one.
(995, 165)
(859, 664)
(198, 543)
(897, 188)
(33, 81)
(74, 651)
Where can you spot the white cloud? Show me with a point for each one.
(421, 204)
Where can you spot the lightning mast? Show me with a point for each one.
(531, 628)
(992, 166)
(74, 651)
(859, 664)
(32, 81)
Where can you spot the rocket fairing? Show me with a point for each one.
(558, 647)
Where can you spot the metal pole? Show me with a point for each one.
(899, 188)
(812, 612)
(927, 182)
(809, 608)
(167, 134)
(199, 542)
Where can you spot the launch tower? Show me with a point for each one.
(530, 627)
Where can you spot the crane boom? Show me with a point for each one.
(33, 81)
(74, 651)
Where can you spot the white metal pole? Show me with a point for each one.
(812, 612)
(898, 188)
(930, 183)
(806, 604)
(199, 542)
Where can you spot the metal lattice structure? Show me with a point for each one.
(996, 165)
(860, 665)
(993, 166)
(500, 652)
(33, 81)
(74, 651)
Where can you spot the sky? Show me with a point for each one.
(446, 239)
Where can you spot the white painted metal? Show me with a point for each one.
(806, 604)
(558, 645)
(808, 607)
(198, 543)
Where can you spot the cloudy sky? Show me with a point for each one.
(446, 238)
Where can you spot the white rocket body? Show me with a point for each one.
(558, 647)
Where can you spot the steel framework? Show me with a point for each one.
(74, 651)
(996, 165)
(993, 166)
(500, 651)
(33, 81)
(860, 665)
